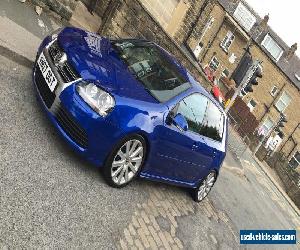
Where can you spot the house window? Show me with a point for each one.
(198, 49)
(283, 102)
(225, 73)
(267, 126)
(274, 91)
(214, 63)
(252, 104)
(227, 41)
(295, 161)
(244, 17)
(274, 49)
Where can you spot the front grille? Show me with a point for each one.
(55, 51)
(71, 128)
(46, 94)
(66, 71)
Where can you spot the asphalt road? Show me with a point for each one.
(49, 197)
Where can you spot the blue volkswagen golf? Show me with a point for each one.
(128, 106)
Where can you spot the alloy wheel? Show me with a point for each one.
(206, 186)
(127, 162)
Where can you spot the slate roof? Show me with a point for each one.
(290, 68)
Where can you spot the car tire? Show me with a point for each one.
(125, 161)
(205, 186)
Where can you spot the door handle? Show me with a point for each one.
(214, 153)
(195, 146)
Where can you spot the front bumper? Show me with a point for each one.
(89, 134)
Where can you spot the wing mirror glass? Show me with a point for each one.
(180, 122)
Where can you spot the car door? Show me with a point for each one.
(182, 155)
(212, 133)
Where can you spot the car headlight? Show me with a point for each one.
(99, 100)
(55, 33)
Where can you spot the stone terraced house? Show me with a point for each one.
(208, 37)
(232, 26)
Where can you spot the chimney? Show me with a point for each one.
(291, 52)
(232, 5)
(261, 27)
(264, 23)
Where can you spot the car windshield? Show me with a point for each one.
(152, 68)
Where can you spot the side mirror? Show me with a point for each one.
(180, 122)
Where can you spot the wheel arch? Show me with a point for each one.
(145, 136)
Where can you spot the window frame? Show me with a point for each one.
(295, 159)
(252, 107)
(224, 75)
(264, 122)
(280, 100)
(211, 62)
(244, 17)
(271, 91)
(229, 35)
(263, 43)
(201, 46)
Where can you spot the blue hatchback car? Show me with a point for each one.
(127, 105)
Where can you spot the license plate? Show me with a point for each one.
(47, 72)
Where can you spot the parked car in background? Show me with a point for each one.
(129, 107)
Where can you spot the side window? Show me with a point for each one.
(213, 123)
(203, 117)
(193, 108)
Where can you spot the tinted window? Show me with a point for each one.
(213, 122)
(193, 109)
(163, 79)
(203, 116)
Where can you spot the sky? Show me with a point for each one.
(284, 18)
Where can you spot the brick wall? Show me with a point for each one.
(209, 36)
(63, 8)
(289, 177)
(161, 10)
(224, 25)
(272, 75)
(129, 18)
(192, 16)
(102, 7)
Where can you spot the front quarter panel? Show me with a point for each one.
(134, 116)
